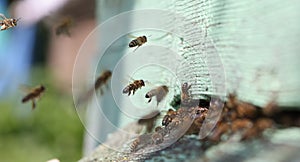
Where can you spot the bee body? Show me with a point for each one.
(33, 95)
(138, 42)
(102, 79)
(7, 23)
(133, 87)
(159, 92)
(64, 27)
(171, 114)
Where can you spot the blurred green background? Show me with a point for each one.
(32, 54)
(52, 130)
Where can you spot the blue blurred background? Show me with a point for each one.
(31, 54)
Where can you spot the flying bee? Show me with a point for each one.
(34, 94)
(139, 41)
(100, 81)
(8, 23)
(159, 92)
(133, 87)
(64, 26)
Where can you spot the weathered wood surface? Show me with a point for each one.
(277, 145)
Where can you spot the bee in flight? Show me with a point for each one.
(132, 87)
(7, 23)
(64, 26)
(33, 94)
(139, 41)
(159, 92)
(100, 81)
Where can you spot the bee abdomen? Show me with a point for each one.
(27, 98)
(133, 43)
(126, 89)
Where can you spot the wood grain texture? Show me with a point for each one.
(258, 42)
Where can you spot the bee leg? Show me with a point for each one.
(107, 86)
(150, 99)
(3, 16)
(129, 93)
(33, 104)
(136, 48)
(3, 27)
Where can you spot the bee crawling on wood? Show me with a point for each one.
(7, 23)
(33, 94)
(159, 92)
(132, 87)
(166, 135)
(168, 117)
(139, 41)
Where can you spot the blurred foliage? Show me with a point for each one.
(52, 130)
(175, 103)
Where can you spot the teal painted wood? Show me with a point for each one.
(259, 45)
(256, 40)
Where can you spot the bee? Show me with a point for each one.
(133, 87)
(171, 114)
(159, 92)
(34, 94)
(139, 41)
(246, 110)
(64, 27)
(221, 128)
(185, 95)
(8, 23)
(157, 138)
(133, 146)
(100, 81)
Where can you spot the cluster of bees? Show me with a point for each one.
(174, 121)
(239, 120)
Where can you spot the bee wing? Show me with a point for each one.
(136, 48)
(131, 36)
(33, 104)
(2, 16)
(83, 98)
(25, 88)
(128, 79)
